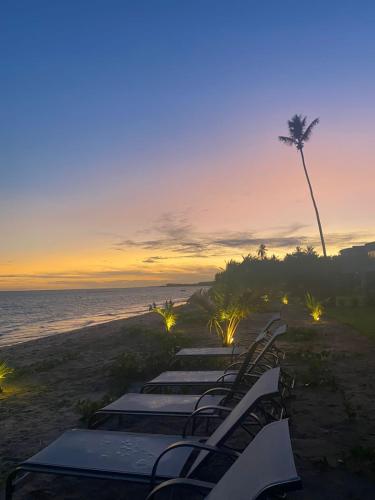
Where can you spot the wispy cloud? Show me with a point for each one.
(175, 235)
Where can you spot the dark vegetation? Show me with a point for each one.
(362, 318)
(297, 273)
(129, 368)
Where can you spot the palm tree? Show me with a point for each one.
(262, 251)
(299, 133)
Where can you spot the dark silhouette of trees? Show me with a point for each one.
(262, 251)
(299, 133)
(300, 271)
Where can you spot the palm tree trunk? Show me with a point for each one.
(314, 203)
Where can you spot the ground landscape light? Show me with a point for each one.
(5, 370)
(314, 306)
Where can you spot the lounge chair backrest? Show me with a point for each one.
(269, 340)
(264, 331)
(266, 462)
(280, 330)
(252, 358)
(266, 386)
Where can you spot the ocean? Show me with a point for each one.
(33, 314)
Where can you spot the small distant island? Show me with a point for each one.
(200, 283)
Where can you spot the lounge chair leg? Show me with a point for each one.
(9, 485)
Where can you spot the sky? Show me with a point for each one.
(138, 139)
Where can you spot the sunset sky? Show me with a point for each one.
(138, 139)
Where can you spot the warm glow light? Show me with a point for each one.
(315, 315)
(314, 306)
(285, 299)
(167, 313)
(5, 370)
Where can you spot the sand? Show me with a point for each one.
(332, 411)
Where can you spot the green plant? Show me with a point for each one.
(285, 299)
(88, 407)
(5, 370)
(314, 306)
(132, 367)
(295, 334)
(167, 313)
(225, 312)
(316, 370)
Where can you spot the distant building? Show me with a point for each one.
(360, 260)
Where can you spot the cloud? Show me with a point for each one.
(152, 260)
(176, 236)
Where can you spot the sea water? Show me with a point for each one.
(33, 314)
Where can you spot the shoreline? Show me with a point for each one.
(90, 324)
(84, 333)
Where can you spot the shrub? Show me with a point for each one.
(87, 407)
(285, 299)
(5, 370)
(299, 334)
(314, 306)
(131, 367)
(167, 313)
(225, 311)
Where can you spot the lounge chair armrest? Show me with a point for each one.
(193, 445)
(221, 379)
(190, 483)
(201, 410)
(211, 391)
(232, 365)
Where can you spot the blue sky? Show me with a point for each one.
(97, 94)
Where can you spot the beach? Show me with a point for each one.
(332, 411)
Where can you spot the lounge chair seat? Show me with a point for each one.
(159, 404)
(200, 378)
(112, 453)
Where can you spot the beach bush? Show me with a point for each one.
(285, 299)
(225, 311)
(5, 371)
(316, 370)
(314, 306)
(299, 334)
(167, 313)
(88, 407)
(132, 367)
(193, 316)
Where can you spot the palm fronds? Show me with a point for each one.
(225, 312)
(298, 132)
(314, 306)
(286, 140)
(307, 133)
(5, 370)
(167, 313)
